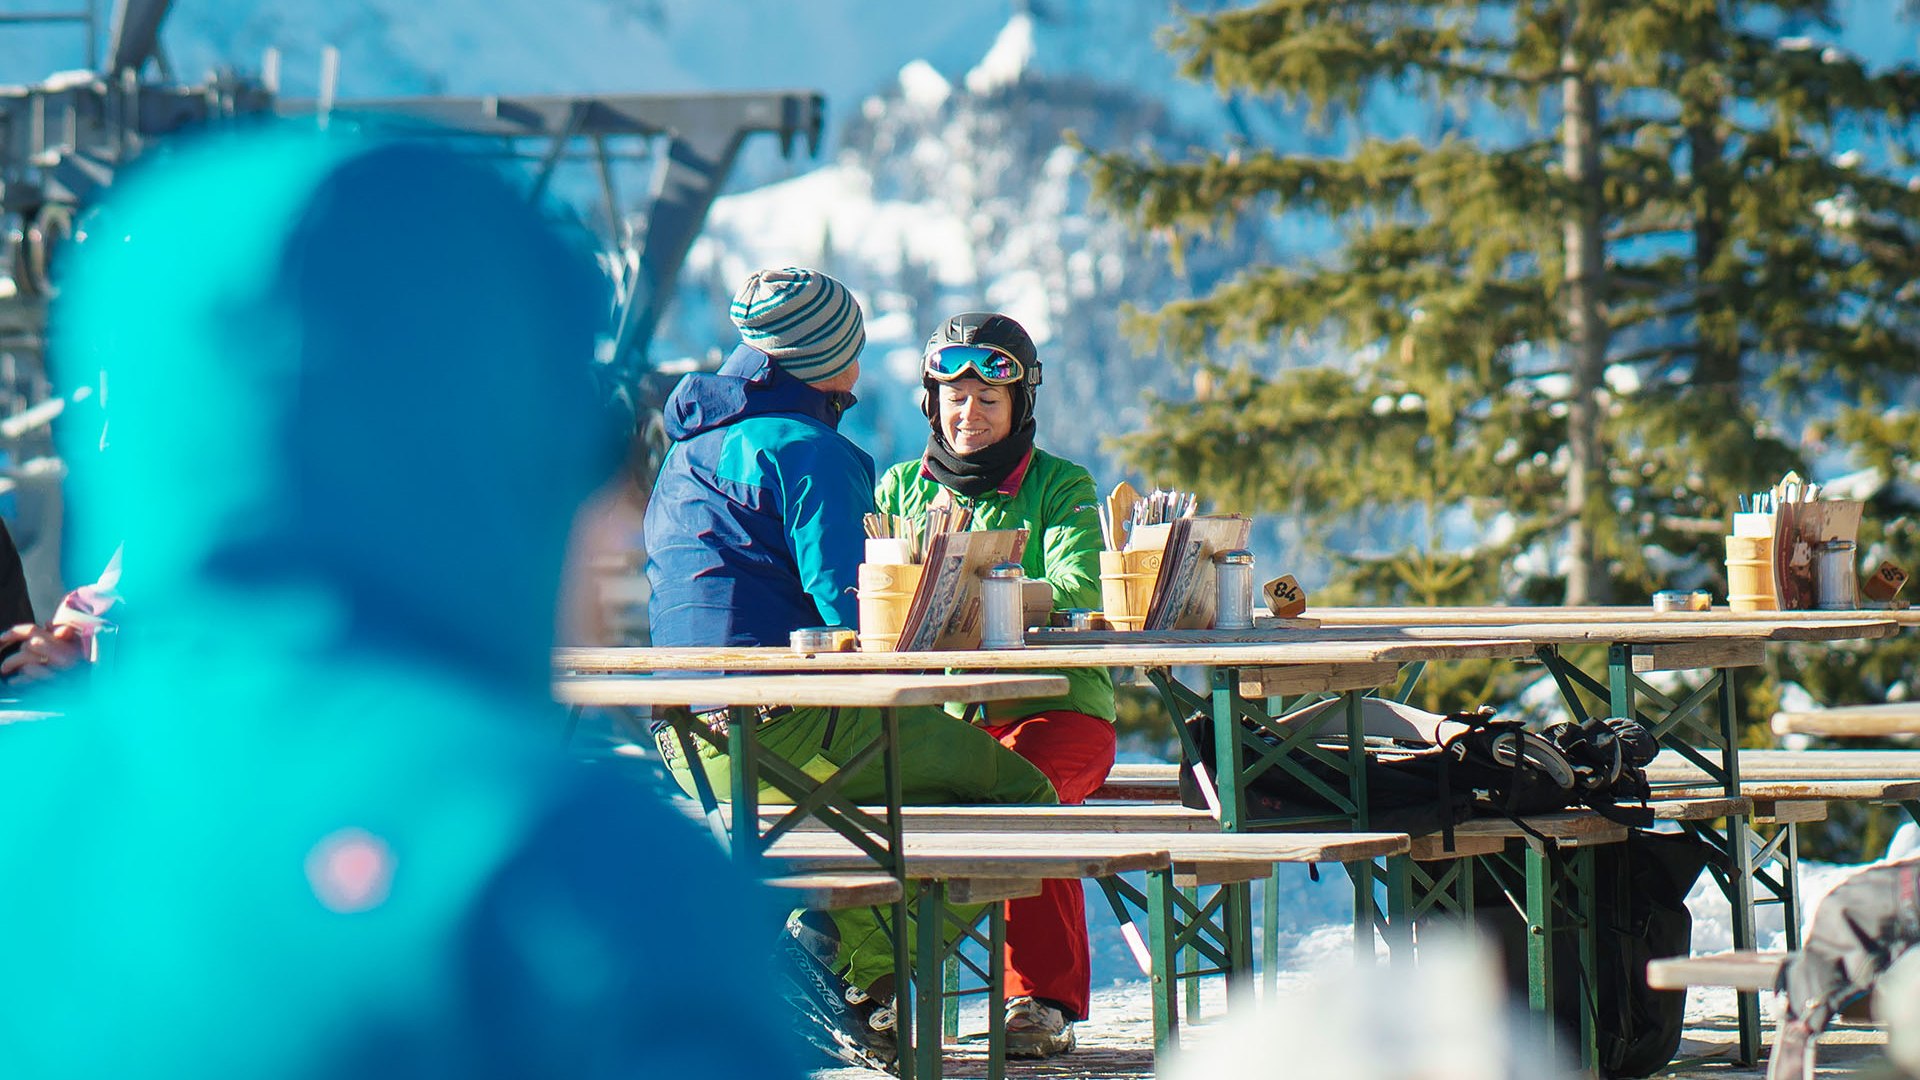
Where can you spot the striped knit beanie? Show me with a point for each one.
(806, 321)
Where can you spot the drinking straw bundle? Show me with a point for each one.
(1126, 510)
(918, 532)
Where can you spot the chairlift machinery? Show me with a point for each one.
(63, 140)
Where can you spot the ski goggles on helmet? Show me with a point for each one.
(990, 364)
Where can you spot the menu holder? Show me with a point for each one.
(945, 614)
(1799, 530)
(1184, 594)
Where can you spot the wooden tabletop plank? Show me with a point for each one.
(1696, 807)
(832, 892)
(1740, 970)
(1293, 650)
(1439, 628)
(1334, 617)
(1833, 790)
(976, 864)
(1182, 846)
(842, 690)
(1063, 819)
(1859, 721)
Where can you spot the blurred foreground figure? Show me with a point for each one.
(1862, 931)
(311, 821)
(1446, 1018)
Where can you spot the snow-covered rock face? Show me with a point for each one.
(953, 195)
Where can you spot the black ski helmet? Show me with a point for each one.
(985, 328)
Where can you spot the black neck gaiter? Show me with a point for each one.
(980, 472)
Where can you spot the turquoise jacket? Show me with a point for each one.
(313, 820)
(1053, 499)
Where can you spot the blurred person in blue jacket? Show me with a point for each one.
(312, 820)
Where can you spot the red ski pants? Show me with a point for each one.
(1047, 953)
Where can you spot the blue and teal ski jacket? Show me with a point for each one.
(754, 529)
(311, 821)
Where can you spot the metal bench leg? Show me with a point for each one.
(1587, 902)
(927, 935)
(1236, 922)
(1400, 910)
(1270, 936)
(1164, 979)
(1539, 878)
(1740, 840)
(996, 991)
(744, 776)
(1363, 909)
(950, 983)
(1740, 837)
(1190, 959)
(1790, 884)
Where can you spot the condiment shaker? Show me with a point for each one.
(1233, 580)
(1001, 611)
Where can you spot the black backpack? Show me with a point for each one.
(1642, 888)
(1493, 766)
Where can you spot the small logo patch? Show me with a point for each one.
(350, 870)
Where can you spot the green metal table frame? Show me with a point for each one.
(822, 800)
(1391, 896)
(1683, 725)
(1187, 939)
(935, 983)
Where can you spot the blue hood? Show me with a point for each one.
(323, 433)
(748, 384)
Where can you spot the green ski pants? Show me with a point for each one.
(943, 759)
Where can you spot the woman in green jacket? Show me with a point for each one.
(977, 389)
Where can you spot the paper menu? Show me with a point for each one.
(1184, 594)
(945, 613)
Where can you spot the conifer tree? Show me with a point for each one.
(1578, 317)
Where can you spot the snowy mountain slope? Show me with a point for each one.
(948, 196)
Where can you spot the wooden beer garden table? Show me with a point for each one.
(1247, 680)
(742, 697)
(882, 842)
(1640, 641)
(1260, 675)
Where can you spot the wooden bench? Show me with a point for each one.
(1043, 819)
(1010, 850)
(1740, 969)
(1852, 721)
(1140, 783)
(837, 892)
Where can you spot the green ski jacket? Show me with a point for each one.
(1053, 499)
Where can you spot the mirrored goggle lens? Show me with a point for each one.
(988, 365)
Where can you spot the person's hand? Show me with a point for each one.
(43, 652)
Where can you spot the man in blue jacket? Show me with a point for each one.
(754, 531)
(754, 527)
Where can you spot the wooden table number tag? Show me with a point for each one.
(1285, 597)
(1883, 584)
